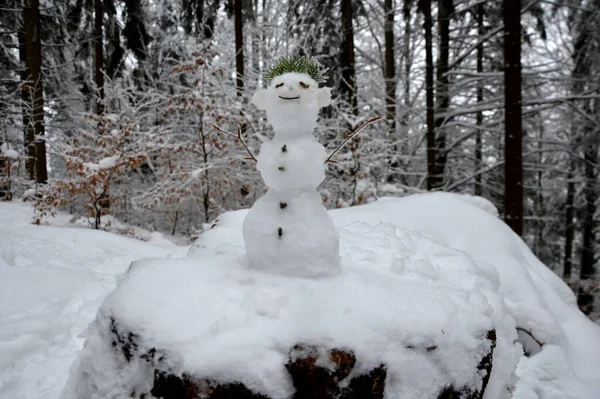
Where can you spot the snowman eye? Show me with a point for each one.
(278, 85)
(304, 85)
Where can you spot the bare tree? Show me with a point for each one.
(34, 89)
(390, 82)
(425, 6)
(442, 91)
(390, 66)
(239, 47)
(348, 62)
(479, 127)
(586, 50)
(513, 137)
(99, 55)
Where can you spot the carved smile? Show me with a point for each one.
(289, 98)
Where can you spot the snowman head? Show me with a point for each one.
(293, 98)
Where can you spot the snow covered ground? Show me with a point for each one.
(53, 280)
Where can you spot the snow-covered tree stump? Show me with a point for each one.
(407, 318)
(316, 373)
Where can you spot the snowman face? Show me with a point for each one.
(293, 90)
(294, 96)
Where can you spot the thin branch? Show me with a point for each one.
(237, 136)
(351, 136)
(485, 38)
(540, 343)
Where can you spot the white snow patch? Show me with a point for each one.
(52, 281)
(7, 151)
(108, 162)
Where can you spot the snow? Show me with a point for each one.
(250, 319)
(53, 279)
(104, 163)
(7, 151)
(108, 162)
(539, 300)
(431, 259)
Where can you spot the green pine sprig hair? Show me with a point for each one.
(303, 64)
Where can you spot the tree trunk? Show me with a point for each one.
(513, 136)
(406, 7)
(390, 67)
(28, 137)
(478, 133)
(200, 20)
(442, 91)
(35, 89)
(348, 64)
(431, 148)
(99, 56)
(586, 50)
(539, 206)
(256, 38)
(390, 84)
(239, 47)
(585, 299)
(569, 225)
(348, 86)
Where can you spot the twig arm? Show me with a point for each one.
(351, 136)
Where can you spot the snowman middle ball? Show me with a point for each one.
(297, 163)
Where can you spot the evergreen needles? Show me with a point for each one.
(303, 64)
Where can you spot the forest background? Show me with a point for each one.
(105, 108)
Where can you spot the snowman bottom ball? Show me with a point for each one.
(290, 233)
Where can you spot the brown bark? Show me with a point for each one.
(239, 47)
(34, 89)
(513, 136)
(431, 148)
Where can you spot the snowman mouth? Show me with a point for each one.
(289, 98)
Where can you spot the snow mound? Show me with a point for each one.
(540, 301)
(429, 271)
(52, 281)
(481, 203)
(401, 299)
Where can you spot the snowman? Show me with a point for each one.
(288, 231)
